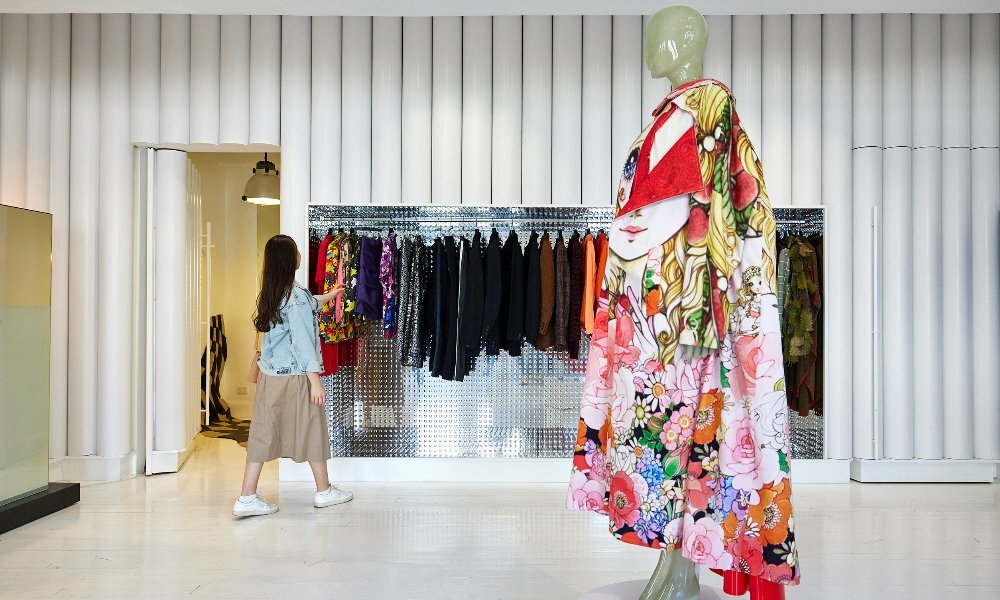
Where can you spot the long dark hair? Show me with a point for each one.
(280, 262)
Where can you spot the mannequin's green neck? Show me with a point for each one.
(684, 74)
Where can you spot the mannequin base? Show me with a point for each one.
(630, 590)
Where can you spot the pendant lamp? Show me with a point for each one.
(264, 186)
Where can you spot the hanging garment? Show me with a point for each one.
(406, 250)
(413, 334)
(576, 279)
(817, 392)
(512, 313)
(330, 330)
(319, 269)
(492, 293)
(562, 295)
(314, 243)
(601, 252)
(331, 358)
(532, 289)
(802, 304)
(388, 277)
(472, 305)
(425, 328)
(439, 312)
(353, 261)
(369, 294)
(682, 452)
(589, 285)
(451, 325)
(546, 260)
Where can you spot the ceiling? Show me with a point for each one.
(494, 7)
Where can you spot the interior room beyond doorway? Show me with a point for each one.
(239, 231)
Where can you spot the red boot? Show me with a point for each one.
(762, 589)
(734, 583)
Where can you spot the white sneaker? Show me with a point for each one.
(332, 495)
(254, 507)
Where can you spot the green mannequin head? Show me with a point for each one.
(675, 44)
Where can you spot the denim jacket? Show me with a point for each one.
(292, 346)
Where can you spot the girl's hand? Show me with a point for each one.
(317, 395)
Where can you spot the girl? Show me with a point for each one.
(289, 419)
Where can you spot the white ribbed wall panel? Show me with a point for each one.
(507, 102)
(206, 48)
(746, 73)
(926, 265)
(956, 231)
(14, 100)
(175, 79)
(356, 113)
(325, 106)
(867, 189)
(653, 90)
(985, 233)
(115, 249)
(387, 103)
(836, 175)
(536, 132)
(418, 92)
(84, 232)
(567, 106)
(477, 110)
(144, 115)
(296, 97)
(719, 52)
(171, 310)
(598, 176)
(265, 79)
(775, 147)
(39, 64)
(807, 107)
(234, 80)
(626, 92)
(897, 238)
(446, 105)
(58, 176)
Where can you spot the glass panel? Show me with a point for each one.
(25, 293)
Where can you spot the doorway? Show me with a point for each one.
(200, 249)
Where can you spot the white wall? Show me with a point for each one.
(865, 145)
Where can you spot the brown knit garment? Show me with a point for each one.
(546, 336)
(562, 295)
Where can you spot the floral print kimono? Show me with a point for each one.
(683, 435)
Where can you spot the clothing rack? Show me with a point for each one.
(509, 407)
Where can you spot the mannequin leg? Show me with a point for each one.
(673, 579)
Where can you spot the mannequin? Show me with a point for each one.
(683, 437)
(676, 37)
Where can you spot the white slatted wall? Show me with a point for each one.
(848, 112)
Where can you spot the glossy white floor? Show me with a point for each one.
(171, 536)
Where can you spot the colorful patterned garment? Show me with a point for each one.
(331, 328)
(690, 450)
(351, 261)
(389, 276)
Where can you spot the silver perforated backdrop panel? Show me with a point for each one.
(508, 407)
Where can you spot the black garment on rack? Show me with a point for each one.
(427, 297)
(532, 289)
(511, 321)
(405, 267)
(470, 306)
(450, 340)
(439, 311)
(493, 292)
(562, 296)
(576, 276)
